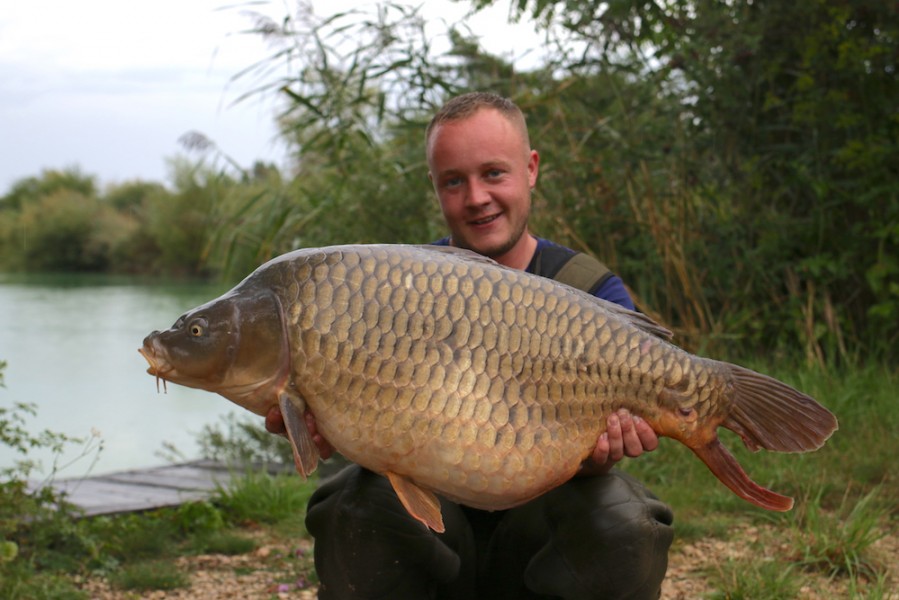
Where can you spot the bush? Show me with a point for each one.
(58, 234)
(37, 529)
(262, 498)
(240, 441)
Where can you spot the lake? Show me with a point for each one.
(70, 343)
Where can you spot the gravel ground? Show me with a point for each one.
(692, 567)
(275, 570)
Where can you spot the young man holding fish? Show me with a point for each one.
(601, 535)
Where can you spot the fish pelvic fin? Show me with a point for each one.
(769, 414)
(421, 503)
(726, 468)
(305, 452)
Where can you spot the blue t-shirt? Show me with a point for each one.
(612, 289)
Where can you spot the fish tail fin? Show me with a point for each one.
(769, 414)
(765, 413)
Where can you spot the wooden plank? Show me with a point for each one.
(146, 489)
(171, 477)
(97, 497)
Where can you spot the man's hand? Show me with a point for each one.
(274, 423)
(626, 435)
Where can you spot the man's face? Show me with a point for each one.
(483, 173)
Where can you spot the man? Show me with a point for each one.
(601, 535)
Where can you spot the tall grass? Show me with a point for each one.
(839, 541)
(756, 579)
(262, 498)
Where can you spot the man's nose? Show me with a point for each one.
(478, 194)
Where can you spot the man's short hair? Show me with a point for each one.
(465, 105)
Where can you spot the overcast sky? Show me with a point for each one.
(110, 85)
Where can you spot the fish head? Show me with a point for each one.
(235, 346)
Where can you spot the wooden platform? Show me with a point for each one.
(146, 489)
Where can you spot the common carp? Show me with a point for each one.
(451, 374)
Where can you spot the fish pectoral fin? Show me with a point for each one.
(305, 452)
(726, 468)
(421, 503)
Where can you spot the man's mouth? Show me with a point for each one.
(483, 220)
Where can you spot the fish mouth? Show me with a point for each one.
(159, 367)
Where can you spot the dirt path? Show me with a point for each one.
(277, 570)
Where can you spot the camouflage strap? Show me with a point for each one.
(579, 270)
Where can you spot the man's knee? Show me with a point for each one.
(609, 538)
(368, 546)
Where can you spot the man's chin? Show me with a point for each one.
(484, 245)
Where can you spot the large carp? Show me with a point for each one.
(450, 373)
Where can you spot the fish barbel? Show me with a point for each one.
(451, 374)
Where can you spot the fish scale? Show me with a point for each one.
(451, 374)
(558, 433)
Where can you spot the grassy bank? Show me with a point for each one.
(60, 556)
(858, 458)
(845, 496)
(845, 504)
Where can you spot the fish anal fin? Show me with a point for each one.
(421, 503)
(305, 452)
(726, 468)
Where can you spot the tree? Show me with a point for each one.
(51, 181)
(731, 159)
(789, 123)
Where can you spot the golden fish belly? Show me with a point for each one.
(485, 458)
(486, 385)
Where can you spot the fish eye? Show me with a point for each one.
(197, 327)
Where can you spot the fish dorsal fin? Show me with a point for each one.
(305, 452)
(421, 503)
(637, 319)
(461, 252)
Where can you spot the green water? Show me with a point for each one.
(71, 347)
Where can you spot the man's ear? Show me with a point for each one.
(533, 168)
